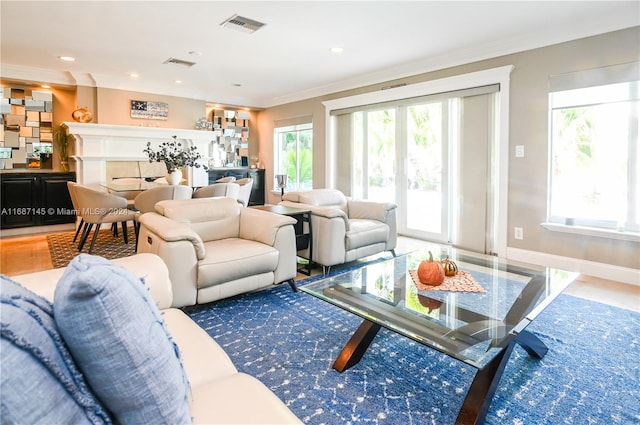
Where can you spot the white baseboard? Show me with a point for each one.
(590, 268)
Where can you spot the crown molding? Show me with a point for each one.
(39, 75)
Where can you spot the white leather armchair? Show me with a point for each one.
(214, 248)
(228, 189)
(345, 229)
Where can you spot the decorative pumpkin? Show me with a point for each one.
(430, 303)
(431, 272)
(450, 268)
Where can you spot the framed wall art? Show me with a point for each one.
(149, 110)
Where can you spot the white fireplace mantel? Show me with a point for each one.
(97, 144)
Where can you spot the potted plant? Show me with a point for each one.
(175, 157)
(62, 142)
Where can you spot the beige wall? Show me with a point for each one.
(527, 194)
(114, 107)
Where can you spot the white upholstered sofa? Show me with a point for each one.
(214, 248)
(345, 229)
(219, 394)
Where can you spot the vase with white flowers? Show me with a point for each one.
(175, 157)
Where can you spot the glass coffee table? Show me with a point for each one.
(478, 328)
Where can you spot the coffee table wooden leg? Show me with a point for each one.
(532, 344)
(357, 346)
(484, 385)
(482, 389)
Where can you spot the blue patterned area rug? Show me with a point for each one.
(289, 341)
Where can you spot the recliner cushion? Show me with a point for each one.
(231, 259)
(365, 232)
(320, 198)
(120, 342)
(41, 382)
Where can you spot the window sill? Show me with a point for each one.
(591, 231)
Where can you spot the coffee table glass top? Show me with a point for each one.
(469, 326)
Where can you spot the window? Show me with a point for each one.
(594, 180)
(294, 155)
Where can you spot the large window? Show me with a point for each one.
(293, 155)
(594, 179)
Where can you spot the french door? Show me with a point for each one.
(432, 158)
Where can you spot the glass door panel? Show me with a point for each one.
(381, 155)
(426, 178)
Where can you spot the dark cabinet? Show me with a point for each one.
(18, 200)
(54, 195)
(257, 174)
(35, 199)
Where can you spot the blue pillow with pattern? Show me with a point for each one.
(40, 381)
(117, 336)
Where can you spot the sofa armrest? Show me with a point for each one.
(363, 209)
(172, 231)
(262, 226)
(325, 212)
(274, 230)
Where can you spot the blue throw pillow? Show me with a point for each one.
(119, 340)
(40, 381)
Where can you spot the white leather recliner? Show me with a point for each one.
(229, 189)
(345, 229)
(214, 248)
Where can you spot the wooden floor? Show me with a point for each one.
(26, 254)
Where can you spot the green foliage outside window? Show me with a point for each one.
(297, 158)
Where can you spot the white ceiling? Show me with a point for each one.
(289, 58)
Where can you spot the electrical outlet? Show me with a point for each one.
(517, 233)
(520, 151)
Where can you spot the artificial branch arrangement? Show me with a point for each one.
(62, 142)
(174, 155)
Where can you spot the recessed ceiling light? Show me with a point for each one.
(44, 86)
(66, 58)
(133, 75)
(178, 81)
(337, 49)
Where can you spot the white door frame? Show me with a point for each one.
(500, 75)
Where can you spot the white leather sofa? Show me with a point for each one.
(214, 248)
(345, 229)
(219, 393)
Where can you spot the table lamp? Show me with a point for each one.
(281, 182)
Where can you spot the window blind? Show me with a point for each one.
(475, 91)
(622, 73)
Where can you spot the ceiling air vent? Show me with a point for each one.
(243, 24)
(180, 62)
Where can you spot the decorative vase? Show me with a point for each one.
(82, 115)
(64, 165)
(174, 177)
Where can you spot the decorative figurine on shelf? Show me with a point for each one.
(82, 115)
